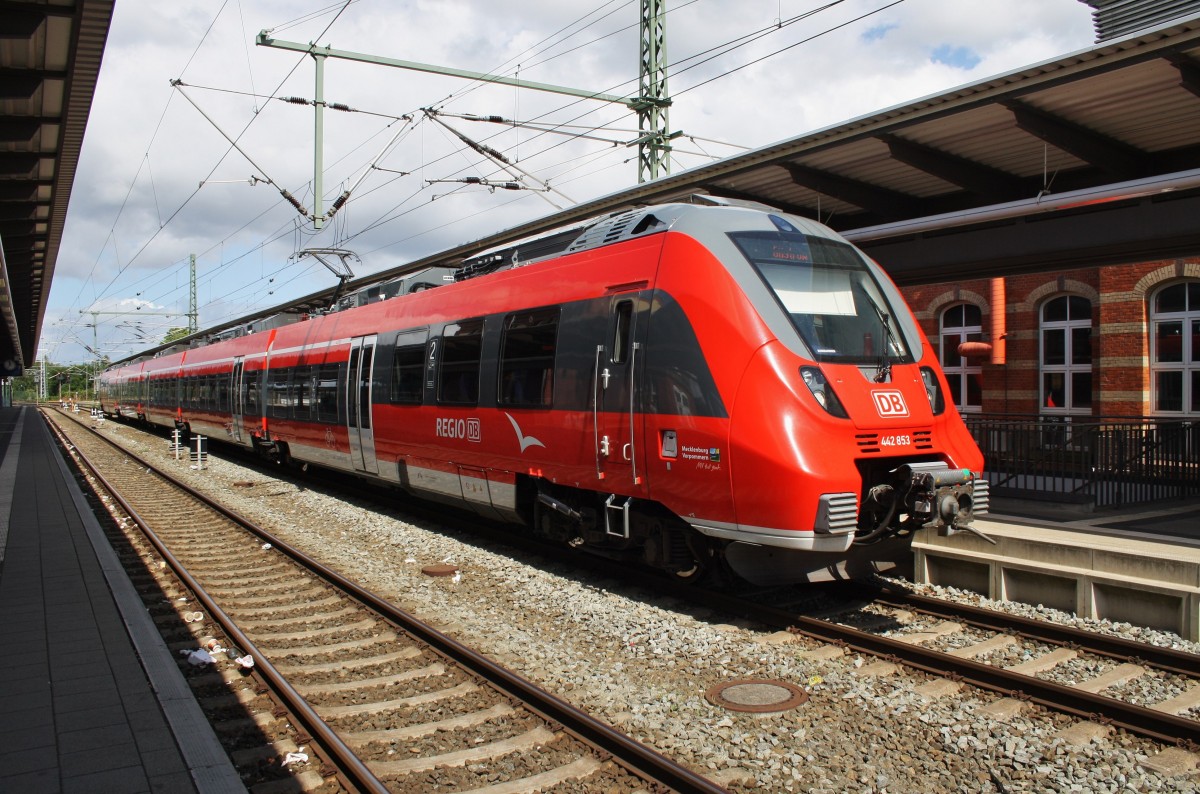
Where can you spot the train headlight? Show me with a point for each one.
(933, 390)
(822, 392)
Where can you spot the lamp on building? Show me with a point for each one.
(974, 349)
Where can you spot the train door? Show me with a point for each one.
(235, 397)
(620, 460)
(358, 404)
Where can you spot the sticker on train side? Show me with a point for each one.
(449, 427)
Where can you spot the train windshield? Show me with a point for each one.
(830, 294)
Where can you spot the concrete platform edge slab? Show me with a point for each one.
(1129, 579)
(207, 762)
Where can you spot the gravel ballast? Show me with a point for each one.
(623, 656)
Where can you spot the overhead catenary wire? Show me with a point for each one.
(192, 195)
(287, 196)
(342, 6)
(528, 156)
(738, 42)
(722, 50)
(503, 161)
(133, 183)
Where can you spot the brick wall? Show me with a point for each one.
(1120, 345)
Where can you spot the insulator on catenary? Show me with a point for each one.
(489, 150)
(294, 202)
(339, 106)
(295, 100)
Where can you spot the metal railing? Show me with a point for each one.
(1103, 461)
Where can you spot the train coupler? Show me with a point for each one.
(940, 495)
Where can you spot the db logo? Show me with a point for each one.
(889, 403)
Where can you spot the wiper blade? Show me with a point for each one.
(884, 373)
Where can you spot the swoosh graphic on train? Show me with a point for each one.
(526, 441)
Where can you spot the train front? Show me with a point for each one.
(842, 439)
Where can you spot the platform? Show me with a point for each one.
(1139, 565)
(91, 699)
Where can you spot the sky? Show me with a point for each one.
(158, 179)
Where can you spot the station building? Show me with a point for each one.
(1112, 341)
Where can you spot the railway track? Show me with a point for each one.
(1085, 674)
(387, 701)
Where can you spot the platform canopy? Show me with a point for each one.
(49, 59)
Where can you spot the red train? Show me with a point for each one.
(692, 386)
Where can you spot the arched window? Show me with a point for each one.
(1066, 355)
(962, 323)
(1175, 348)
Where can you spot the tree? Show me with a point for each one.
(65, 381)
(173, 334)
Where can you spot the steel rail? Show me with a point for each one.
(1136, 719)
(1140, 720)
(651, 765)
(1167, 659)
(352, 768)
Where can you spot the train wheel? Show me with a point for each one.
(691, 575)
(692, 559)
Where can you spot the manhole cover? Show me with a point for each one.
(757, 695)
(439, 570)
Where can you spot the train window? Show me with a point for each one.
(830, 295)
(278, 400)
(458, 376)
(527, 358)
(408, 370)
(351, 397)
(364, 387)
(302, 392)
(250, 405)
(622, 332)
(327, 393)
